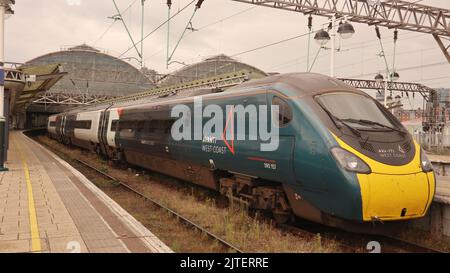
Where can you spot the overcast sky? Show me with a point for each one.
(40, 27)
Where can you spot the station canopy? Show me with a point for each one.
(36, 79)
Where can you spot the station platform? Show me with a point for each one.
(442, 189)
(439, 158)
(441, 164)
(48, 206)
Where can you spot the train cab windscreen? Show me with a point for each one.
(359, 111)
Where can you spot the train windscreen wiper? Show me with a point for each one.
(370, 122)
(334, 119)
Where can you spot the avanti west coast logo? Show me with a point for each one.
(219, 127)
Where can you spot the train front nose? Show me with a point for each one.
(395, 192)
(395, 196)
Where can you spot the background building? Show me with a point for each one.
(210, 67)
(91, 74)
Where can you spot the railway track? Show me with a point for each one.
(349, 242)
(406, 245)
(358, 243)
(175, 214)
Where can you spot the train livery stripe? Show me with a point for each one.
(381, 168)
(393, 192)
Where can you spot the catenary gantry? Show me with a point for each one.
(397, 14)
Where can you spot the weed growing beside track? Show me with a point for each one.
(232, 223)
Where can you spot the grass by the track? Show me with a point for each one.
(232, 223)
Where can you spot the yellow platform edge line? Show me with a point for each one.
(34, 228)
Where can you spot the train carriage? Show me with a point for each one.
(342, 159)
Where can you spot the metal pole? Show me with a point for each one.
(168, 37)
(377, 30)
(386, 88)
(333, 46)
(126, 28)
(2, 88)
(309, 45)
(315, 59)
(142, 34)
(182, 35)
(309, 41)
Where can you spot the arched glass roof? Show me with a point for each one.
(214, 66)
(93, 72)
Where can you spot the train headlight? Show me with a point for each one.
(425, 162)
(349, 161)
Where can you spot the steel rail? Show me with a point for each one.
(390, 242)
(408, 245)
(163, 207)
(387, 242)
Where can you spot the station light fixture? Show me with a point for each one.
(346, 30)
(8, 9)
(379, 78)
(322, 37)
(395, 76)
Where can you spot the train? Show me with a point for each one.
(342, 159)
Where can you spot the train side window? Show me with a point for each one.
(283, 116)
(168, 126)
(141, 126)
(127, 129)
(81, 124)
(156, 129)
(114, 124)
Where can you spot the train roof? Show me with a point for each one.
(304, 84)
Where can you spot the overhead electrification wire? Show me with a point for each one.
(403, 69)
(157, 28)
(104, 33)
(197, 7)
(226, 18)
(300, 36)
(126, 28)
(210, 25)
(269, 45)
(366, 45)
(112, 24)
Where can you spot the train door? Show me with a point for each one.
(58, 126)
(279, 123)
(63, 123)
(112, 127)
(102, 132)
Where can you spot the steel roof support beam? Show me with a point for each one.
(445, 48)
(396, 86)
(390, 13)
(70, 99)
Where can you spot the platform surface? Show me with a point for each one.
(47, 206)
(442, 189)
(439, 158)
(442, 178)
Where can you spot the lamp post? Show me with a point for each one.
(345, 31)
(5, 9)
